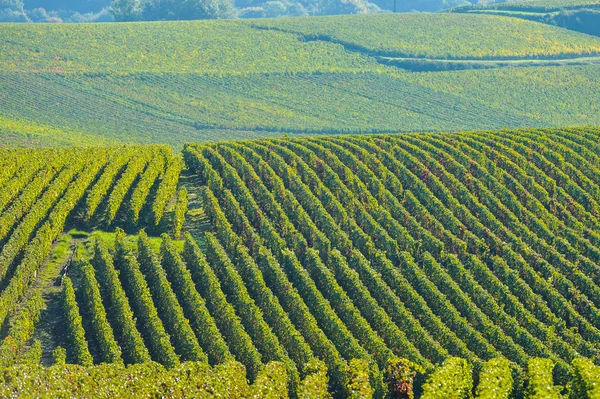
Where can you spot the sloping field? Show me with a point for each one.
(211, 47)
(178, 108)
(546, 5)
(453, 248)
(443, 36)
(22, 133)
(538, 93)
(176, 82)
(199, 46)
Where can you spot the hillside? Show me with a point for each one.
(545, 5)
(216, 80)
(357, 250)
(577, 15)
(441, 36)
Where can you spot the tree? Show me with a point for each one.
(156, 10)
(125, 10)
(12, 11)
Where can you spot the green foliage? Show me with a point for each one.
(59, 356)
(191, 379)
(78, 345)
(161, 10)
(541, 381)
(495, 380)
(190, 299)
(125, 10)
(141, 191)
(165, 47)
(93, 309)
(451, 380)
(586, 380)
(360, 103)
(150, 325)
(181, 207)
(355, 250)
(315, 384)
(116, 83)
(167, 188)
(118, 307)
(359, 386)
(32, 355)
(20, 332)
(542, 5)
(166, 303)
(228, 321)
(400, 378)
(271, 382)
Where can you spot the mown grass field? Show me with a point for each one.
(327, 264)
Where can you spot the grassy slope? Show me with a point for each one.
(196, 81)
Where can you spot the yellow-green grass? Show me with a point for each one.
(549, 5)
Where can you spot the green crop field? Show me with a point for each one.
(445, 36)
(207, 47)
(142, 107)
(172, 83)
(576, 15)
(547, 5)
(412, 263)
(198, 46)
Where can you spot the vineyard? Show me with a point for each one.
(206, 47)
(540, 6)
(251, 79)
(141, 107)
(445, 35)
(441, 265)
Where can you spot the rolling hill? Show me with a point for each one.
(577, 15)
(132, 82)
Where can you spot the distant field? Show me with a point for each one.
(448, 36)
(212, 47)
(177, 82)
(22, 133)
(550, 96)
(178, 108)
(548, 5)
